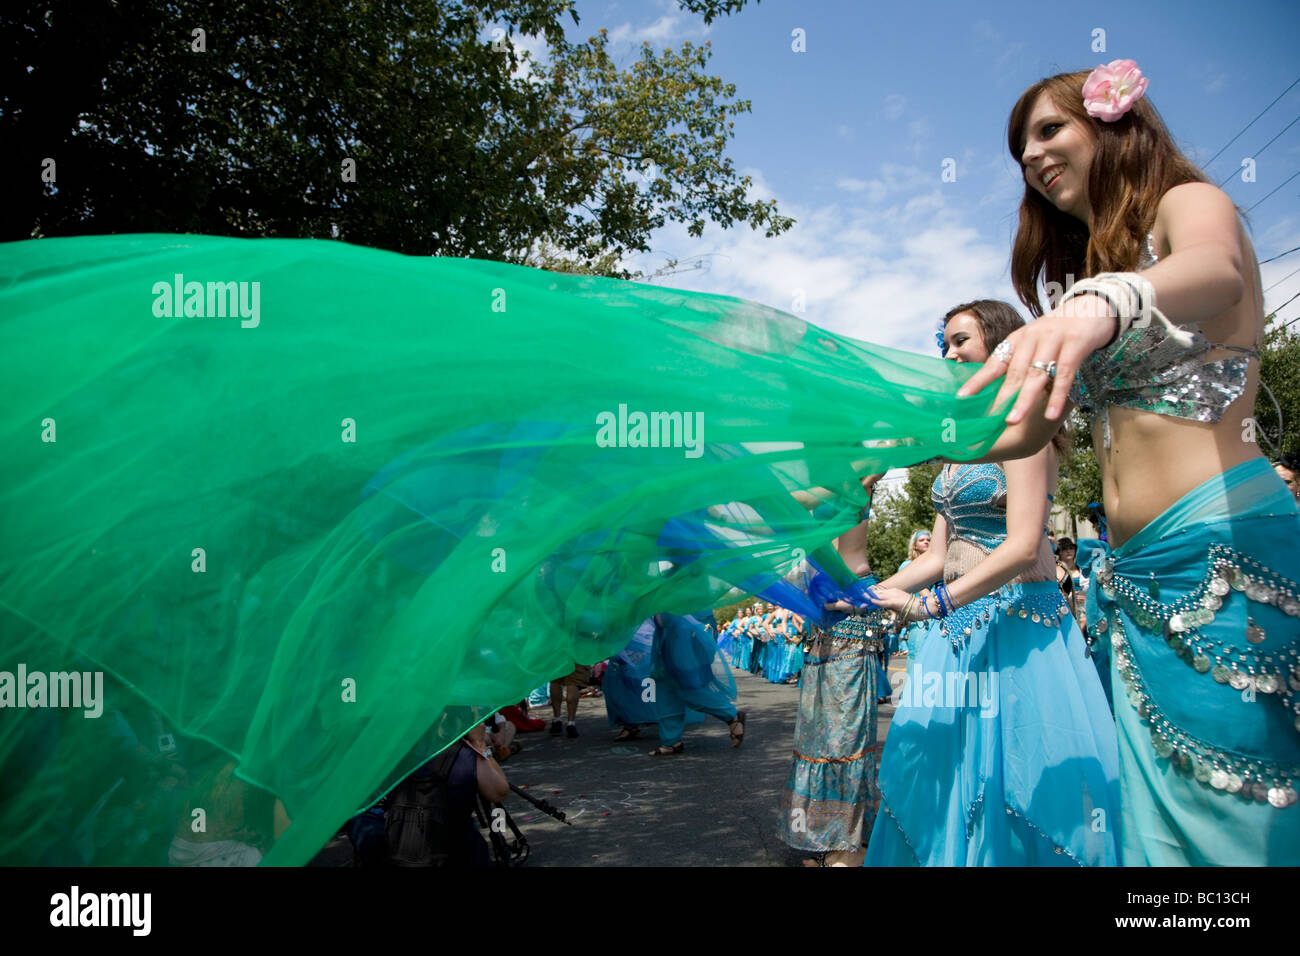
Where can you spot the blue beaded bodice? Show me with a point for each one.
(973, 502)
(1161, 370)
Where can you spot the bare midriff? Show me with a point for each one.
(1154, 460)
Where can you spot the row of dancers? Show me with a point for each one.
(767, 640)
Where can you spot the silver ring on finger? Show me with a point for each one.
(1048, 367)
(1003, 351)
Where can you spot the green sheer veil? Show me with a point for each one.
(304, 512)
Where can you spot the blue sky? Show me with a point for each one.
(850, 137)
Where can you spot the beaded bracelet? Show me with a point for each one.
(1128, 294)
(952, 605)
(944, 598)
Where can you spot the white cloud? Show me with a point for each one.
(531, 49)
(1216, 77)
(895, 104)
(669, 28)
(991, 41)
(883, 266)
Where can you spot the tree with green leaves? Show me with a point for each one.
(895, 516)
(420, 127)
(1079, 482)
(1279, 370)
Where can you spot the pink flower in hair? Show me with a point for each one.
(1111, 90)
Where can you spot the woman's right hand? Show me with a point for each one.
(1065, 336)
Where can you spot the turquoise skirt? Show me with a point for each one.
(1002, 751)
(1200, 617)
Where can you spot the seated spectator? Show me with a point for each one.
(430, 817)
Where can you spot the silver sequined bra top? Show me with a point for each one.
(1149, 370)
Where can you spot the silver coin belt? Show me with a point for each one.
(871, 628)
(1047, 609)
(1269, 673)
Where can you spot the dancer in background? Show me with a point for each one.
(830, 798)
(762, 638)
(688, 674)
(672, 674)
(742, 641)
(796, 629)
(917, 546)
(779, 659)
(1198, 598)
(1002, 751)
(726, 640)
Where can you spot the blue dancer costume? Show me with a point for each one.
(742, 645)
(777, 666)
(1197, 614)
(1002, 751)
(758, 660)
(793, 649)
(913, 633)
(689, 674)
(726, 638)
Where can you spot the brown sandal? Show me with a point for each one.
(666, 751)
(737, 738)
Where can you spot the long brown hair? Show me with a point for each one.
(1135, 164)
(996, 320)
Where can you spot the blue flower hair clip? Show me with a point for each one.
(938, 337)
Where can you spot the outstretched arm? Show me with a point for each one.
(1203, 276)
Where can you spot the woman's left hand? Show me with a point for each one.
(891, 599)
(1062, 339)
(844, 607)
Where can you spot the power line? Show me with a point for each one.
(1280, 255)
(1281, 280)
(1251, 123)
(1257, 152)
(1276, 188)
(1284, 305)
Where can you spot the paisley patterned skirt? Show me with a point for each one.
(830, 798)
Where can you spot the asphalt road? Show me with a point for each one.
(712, 805)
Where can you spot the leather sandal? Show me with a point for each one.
(737, 738)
